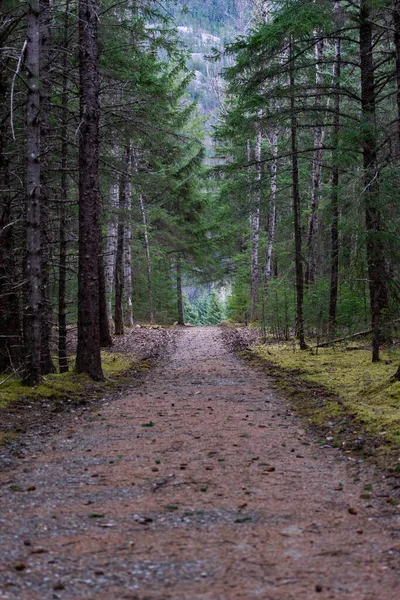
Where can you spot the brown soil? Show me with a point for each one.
(199, 484)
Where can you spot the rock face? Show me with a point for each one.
(203, 27)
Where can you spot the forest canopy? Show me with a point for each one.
(118, 208)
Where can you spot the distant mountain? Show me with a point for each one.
(204, 25)
(211, 15)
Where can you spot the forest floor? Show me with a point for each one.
(200, 483)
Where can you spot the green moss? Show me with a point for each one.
(63, 385)
(7, 437)
(358, 387)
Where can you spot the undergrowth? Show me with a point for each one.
(360, 395)
(62, 386)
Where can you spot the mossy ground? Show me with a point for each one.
(341, 389)
(117, 369)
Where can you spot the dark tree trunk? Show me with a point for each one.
(396, 22)
(62, 269)
(119, 261)
(10, 325)
(10, 322)
(179, 295)
(296, 211)
(334, 250)
(46, 325)
(88, 359)
(33, 275)
(373, 217)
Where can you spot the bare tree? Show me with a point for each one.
(88, 359)
(33, 269)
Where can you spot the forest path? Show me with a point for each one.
(221, 496)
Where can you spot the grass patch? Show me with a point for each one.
(60, 391)
(62, 385)
(358, 395)
(7, 438)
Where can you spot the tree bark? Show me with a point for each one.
(373, 217)
(396, 22)
(104, 329)
(272, 210)
(334, 249)
(88, 359)
(111, 247)
(319, 133)
(128, 312)
(296, 209)
(148, 258)
(33, 271)
(119, 261)
(62, 269)
(255, 229)
(47, 365)
(179, 295)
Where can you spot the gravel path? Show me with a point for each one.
(201, 484)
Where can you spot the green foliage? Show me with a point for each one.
(205, 309)
(214, 310)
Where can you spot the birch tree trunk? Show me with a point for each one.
(104, 328)
(255, 229)
(33, 270)
(334, 251)
(148, 258)
(128, 313)
(111, 247)
(319, 134)
(272, 211)
(88, 359)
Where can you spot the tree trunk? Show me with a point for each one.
(272, 210)
(373, 218)
(316, 171)
(33, 274)
(148, 258)
(179, 295)
(104, 329)
(88, 359)
(10, 322)
(128, 313)
(111, 247)
(396, 22)
(255, 230)
(296, 209)
(334, 250)
(46, 314)
(10, 325)
(62, 269)
(119, 261)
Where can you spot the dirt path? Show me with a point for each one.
(199, 485)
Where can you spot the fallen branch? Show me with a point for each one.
(343, 339)
(348, 337)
